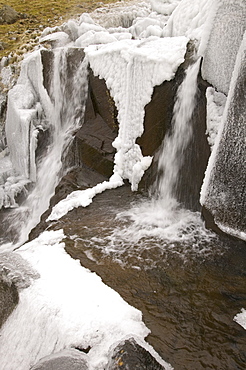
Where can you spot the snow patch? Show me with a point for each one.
(68, 306)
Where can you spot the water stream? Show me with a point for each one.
(69, 99)
(176, 142)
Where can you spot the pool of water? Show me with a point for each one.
(188, 292)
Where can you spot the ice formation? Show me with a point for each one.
(67, 306)
(26, 101)
(131, 69)
(164, 6)
(65, 115)
(193, 19)
(240, 318)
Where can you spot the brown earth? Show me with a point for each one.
(36, 15)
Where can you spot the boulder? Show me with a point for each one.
(130, 355)
(9, 298)
(8, 15)
(68, 359)
(102, 101)
(94, 145)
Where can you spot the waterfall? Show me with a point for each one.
(161, 220)
(69, 97)
(176, 142)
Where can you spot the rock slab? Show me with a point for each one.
(69, 359)
(129, 355)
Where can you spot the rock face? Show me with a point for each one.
(9, 298)
(8, 15)
(94, 139)
(69, 359)
(130, 355)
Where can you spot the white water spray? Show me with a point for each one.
(69, 97)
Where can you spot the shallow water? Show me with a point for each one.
(188, 294)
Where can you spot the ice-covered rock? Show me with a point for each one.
(26, 103)
(240, 318)
(225, 37)
(121, 15)
(215, 107)
(131, 69)
(164, 6)
(193, 19)
(71, 359)
(91, 37)
(56, 39)
(132, 354)
(223, 191)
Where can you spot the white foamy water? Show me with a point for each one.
(147, 232)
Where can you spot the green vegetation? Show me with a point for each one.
(39, 14)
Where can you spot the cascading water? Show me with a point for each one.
(69, 97)
(176, 142)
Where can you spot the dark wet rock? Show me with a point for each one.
(47, 57)
(95, 148)
(102, 101)
(68, 359)
(8, 15)
(129, 355)
(77, 179)
(9, 298)
(94, 139)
